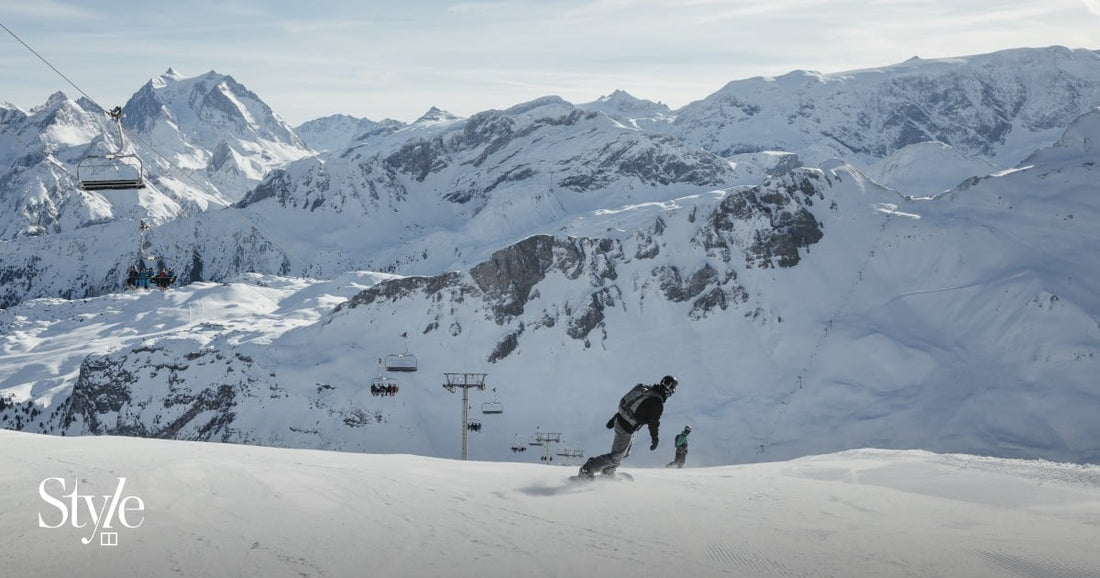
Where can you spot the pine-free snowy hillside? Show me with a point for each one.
(450, 198)
(211, 510)
(963, 322)
(907, 169)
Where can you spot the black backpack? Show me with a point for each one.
(630, 402)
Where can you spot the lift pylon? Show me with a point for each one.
(545, 439)
(466, 380)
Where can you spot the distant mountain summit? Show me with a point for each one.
(1000, 106)
(339, 132)
(213, 124)
(630, 111)
(435, 116)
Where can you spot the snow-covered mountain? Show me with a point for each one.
(815, 312)
(213, 126)
(339, 132)
(570, 254)
(471, 186)
(632, 112)
(440, 193)
(1000, 106)
(909, 169)
(203, 142)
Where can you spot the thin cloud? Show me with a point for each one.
(477, 7)
(49, 9)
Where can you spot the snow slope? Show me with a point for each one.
(200, 509)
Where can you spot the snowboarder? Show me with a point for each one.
(642, 405)
(681, 448)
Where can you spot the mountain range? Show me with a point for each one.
(895, 257)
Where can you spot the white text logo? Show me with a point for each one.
(100, 513)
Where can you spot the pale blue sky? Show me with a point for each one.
(396, 59)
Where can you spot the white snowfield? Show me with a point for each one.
(203, 509)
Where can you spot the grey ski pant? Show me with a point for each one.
(620, 449)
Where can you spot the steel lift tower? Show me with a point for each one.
(452, 381)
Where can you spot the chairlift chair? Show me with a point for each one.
(114, 170)
(403, 362)
(148, 271)
(535, 439)
(103, 172)
(382, 385)
(142, 275)
(517, 446)
(494, 406)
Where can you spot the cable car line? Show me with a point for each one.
(54, 68)
(115, 114)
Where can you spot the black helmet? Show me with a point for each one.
(669, 383)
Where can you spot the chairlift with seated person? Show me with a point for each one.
(149, 271)
(404, 362)
(382, 385)
(114, 170)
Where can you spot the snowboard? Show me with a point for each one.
(618, 477)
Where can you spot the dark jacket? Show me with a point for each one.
(648, 413)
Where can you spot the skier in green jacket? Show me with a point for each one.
(681, 448)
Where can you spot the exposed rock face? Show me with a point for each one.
(149, 392)
(779, 211)
(764, 226)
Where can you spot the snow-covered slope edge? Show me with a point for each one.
(207, 509)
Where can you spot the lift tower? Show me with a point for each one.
(545, 439)
(451, 381)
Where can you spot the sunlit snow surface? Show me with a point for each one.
(232, 510)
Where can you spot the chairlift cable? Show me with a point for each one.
(133, 135)
(187, 174)
(54, 68)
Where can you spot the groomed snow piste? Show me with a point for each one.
(203, 509)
